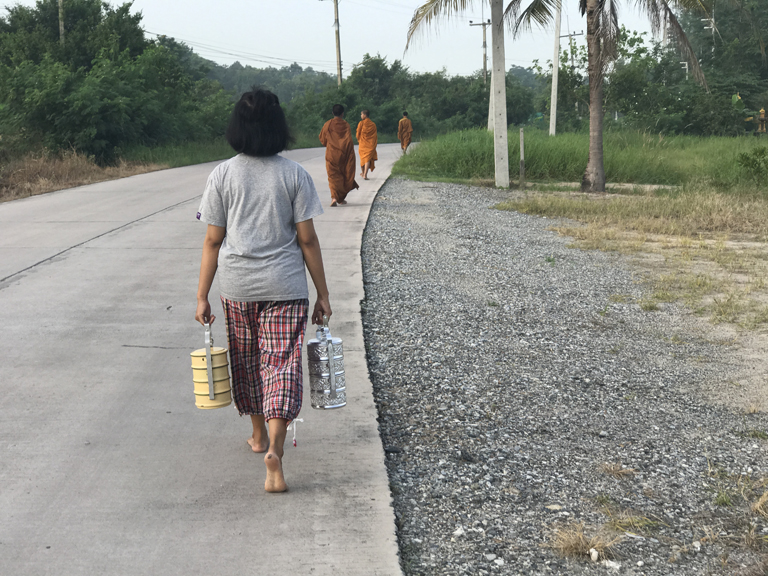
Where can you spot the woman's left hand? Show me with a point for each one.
(203, 314)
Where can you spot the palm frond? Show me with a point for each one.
(608, 30)
(432, 10)
(540, 12)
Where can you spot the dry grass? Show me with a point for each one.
(703, 248)
(40, 173)
(617, 470)
(572, 542)
(626, 520)
(754, 407)
(761, 505)
(686, 214)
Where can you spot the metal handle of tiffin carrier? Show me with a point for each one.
(327, 380)
(208, 365)
(210, 375)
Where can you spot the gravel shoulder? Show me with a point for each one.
(522, 391)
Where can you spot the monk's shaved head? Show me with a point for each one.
(405, 114)
(367, 114)
(338, 110)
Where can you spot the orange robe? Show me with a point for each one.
(404, 131)
(367, 138)
(336, 136)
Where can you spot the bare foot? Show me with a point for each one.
(275, 481)
(343, 202)
(334, 203)
(366, 178)
(258, 446)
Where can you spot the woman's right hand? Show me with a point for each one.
(322, 308)
(203, 313)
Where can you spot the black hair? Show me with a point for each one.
(405, 114)
(257, 126)
(338, 110)
(366, 113)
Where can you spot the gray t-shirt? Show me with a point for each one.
(259, 201)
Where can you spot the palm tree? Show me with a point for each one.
(602, 33)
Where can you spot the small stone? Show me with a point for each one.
(499, 561)
(490, 557)
(594, 554)
(640, 564)
(459, 531)
(603, 434)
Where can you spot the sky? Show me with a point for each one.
(277, 33)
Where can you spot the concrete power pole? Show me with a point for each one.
(61, 22)
(484, 24)
(490, 106)
(338, 38)
(499, 97)
(555, 70)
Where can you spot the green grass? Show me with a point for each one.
(302, 140)
(188, 153)
(306, 141)
(182, 154)
(630, 157)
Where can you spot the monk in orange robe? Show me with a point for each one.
(367, 138)
(404, 131)
(336, 136)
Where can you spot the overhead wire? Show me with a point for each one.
(207, 44)
(328, 65)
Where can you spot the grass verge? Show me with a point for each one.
(180, 154)
(36, 174)
(630, 158)
(703, 247)
(41, 172)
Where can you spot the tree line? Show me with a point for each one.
(109, 87)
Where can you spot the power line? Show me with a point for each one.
(271, 60)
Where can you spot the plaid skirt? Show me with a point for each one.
(265, 341)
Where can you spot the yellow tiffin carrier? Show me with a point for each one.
(211, 366)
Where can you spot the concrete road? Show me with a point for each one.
(106, 466)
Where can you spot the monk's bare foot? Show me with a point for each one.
(343, 202)
(366, 178)
(258, 447)
(333, 203)
(275, 481)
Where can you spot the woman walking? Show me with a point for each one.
(259, 208)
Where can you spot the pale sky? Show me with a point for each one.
(276, 33)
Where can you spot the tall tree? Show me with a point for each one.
(602, 33)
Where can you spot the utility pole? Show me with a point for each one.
(490, 106)
(711, 22)
(555, 71)
(499, 97)
(484, 24)
(338, 39)
(61, 22)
